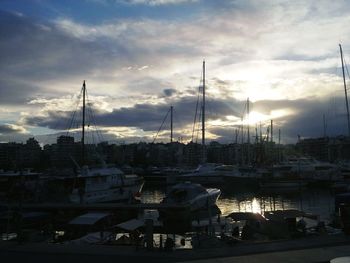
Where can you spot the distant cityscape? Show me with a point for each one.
(66, 153)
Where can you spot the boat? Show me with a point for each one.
(194, 195)
(282, 185)
(308, 170)
(102, 184)
(219, 174)
(105, 184)
(23, 185)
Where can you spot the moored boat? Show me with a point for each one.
(193, 195)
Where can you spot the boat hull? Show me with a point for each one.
(113, 194)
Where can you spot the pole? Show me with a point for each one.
(203, 115)
(83, 128)
(248, 133)
(272, 148)
(279, 145)
(345, 90)
(171, 124)
(242, 141)
(271, 130)
(324, 126)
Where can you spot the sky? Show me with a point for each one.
(139, 57)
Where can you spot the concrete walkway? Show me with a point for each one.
(312, 255)
(308, 249)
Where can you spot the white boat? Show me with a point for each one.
(105, 185)
(307, 169)
(193, 195)
(211, 173)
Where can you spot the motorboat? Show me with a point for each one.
(193, 195)
(105, 185)
(211, 173)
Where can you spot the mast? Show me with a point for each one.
(271, 131)
(203, 115)
(279, 145)
(346, 93)
(324, 126)
(248, 134)
(242, 140)
(171, 124)
(272, 148)
(83, 127)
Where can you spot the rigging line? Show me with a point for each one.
(346, 67)
(199, 128)
(74, 112)
(93, 121)
(166, 115)
(195, 117)
(196, 112)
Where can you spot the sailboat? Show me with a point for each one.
(211, 173)
(105, 184)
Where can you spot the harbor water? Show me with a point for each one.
(316, 201)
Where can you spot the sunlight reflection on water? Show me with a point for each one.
(316, 201)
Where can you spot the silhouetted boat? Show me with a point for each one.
(105, 184)
(193, 195)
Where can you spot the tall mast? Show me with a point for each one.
(324, 126)
(346, 93)
(203, 114)
(242, 140)
(248, 134)
(271, 131)
(171, 123)
(83, 127)
(279, 145)
(272, 148)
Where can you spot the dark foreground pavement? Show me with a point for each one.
(310, 249)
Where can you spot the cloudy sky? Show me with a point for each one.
(139, 57)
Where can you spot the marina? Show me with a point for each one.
(174, 131)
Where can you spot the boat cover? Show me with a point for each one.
(88, 219)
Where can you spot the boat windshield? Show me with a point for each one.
(186, 191)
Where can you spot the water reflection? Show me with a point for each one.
(315, 201)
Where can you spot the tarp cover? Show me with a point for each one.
(88, 219)
(239, 216)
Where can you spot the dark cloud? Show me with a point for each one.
(10, 129)
(31, 52)
(306, 120)
(145, 116)
(169, 92)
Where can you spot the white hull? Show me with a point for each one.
(193, 195)
(115, 194)
(205, 201)
(217, 174)
(105, 185)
